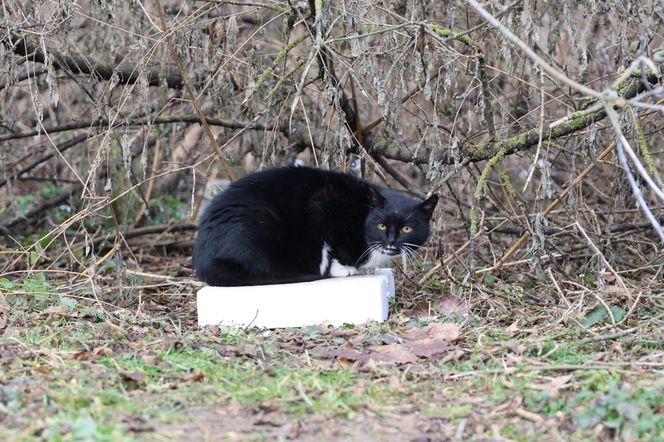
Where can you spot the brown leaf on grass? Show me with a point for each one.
(343, 332)
(196, 377)
(232, 351)
(132, 380)
(4, 312)
(95, 353)
(513, 327)
(450, 305)
(552, 385)
(148, 358)
(516, 347)
(393, 353)
(428, 348)
(135, 376)
(420, 310)
(431, 342)
(454, 356)
(43, 369)
(447, 332)
(348, 355)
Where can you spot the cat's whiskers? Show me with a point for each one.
(372, 257)
(376, 256)
(408, 254)
(405, 258)
(372, 247)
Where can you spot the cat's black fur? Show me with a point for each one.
(300, 224)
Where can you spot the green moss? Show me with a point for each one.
(481, 186)
(285, 78)
(644, 148)
(268, 71)
(448, 33)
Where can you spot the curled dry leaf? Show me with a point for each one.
(450, 305)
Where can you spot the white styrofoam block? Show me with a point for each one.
(351, 300)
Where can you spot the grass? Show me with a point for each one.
(70, 372)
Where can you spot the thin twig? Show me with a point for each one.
(553, 72)
(194, 97)
(517, 245)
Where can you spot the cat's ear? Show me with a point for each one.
(427, 206)
(377, 199)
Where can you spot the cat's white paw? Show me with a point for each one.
(338, 270)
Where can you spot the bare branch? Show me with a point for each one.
(77, 65)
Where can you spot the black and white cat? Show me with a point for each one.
(297, 224)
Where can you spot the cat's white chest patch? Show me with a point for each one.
(325, 259)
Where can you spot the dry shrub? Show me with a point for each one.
(100, 135)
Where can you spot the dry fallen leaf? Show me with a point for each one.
(428, 348)
(394, 353)
(516, 347)
(420, 310)
(96, 352)
(431, 342)
(512, 329)
(391, 353)
(347, 354)
(553, 385)
(198, 376)
(132, 380)
(450, 305)
(447, 332)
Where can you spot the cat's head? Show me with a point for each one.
(396, 225)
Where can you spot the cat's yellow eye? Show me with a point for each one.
(406, 229)
(382, 227)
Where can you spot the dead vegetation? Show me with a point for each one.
(539, 124)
